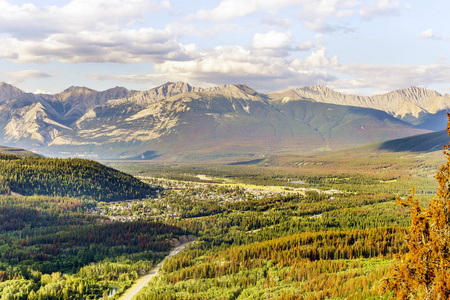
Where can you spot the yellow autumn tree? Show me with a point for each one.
(424, 271)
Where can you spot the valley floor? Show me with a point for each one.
(261, 233)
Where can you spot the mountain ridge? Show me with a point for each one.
(178, 119)
(400, 103)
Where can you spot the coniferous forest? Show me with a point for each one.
(68, 177)
(260, 232)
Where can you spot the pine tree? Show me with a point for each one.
(424, 271)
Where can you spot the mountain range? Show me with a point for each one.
(176, 120)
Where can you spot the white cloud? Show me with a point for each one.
(380, 8)
(270, 20)
(185, 29)
(325, 8)
(30, 21)
(426, 34)
(21, 76)
(231, 9)
(123, 46)
(235, 64)
(391, 77)
(148, 79)
(429, 34)
(272, 40)
(38, 91)
(319, 59)
(265, 70)
(306, 46)
(319, 25)
(86, 31)
(314, 12)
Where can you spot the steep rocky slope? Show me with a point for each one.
(178, 120)
(413, 104)
(226, 121)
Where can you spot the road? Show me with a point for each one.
(137, 288)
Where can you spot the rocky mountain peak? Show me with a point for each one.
(416, 94)
(238, 91)
(173, 88)
(145, 98)
(78, 90)
(320, 90)
(8, 91)
(246, 89)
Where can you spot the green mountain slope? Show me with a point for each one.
(16, 151)
(68, 177)
(419, 143)
(345, 126)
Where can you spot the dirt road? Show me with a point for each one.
(137, 288)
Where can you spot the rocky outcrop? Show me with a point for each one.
(175, 242)
(8, 91)
(412, 101)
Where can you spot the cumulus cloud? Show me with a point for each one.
(21, 76)
(231, 9)
(391, 77)
(305, 46)
(123, 46)
(258, 67)
(426, 34)
(316, 13)
(319, 59)
(380, 8)
(252, 65)
(272, 40)
(30, 21)
(38, 91)
(86, 31)
(429, 34)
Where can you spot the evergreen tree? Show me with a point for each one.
(424, 271)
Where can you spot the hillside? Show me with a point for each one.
(16, 151)
(68, 178)
(419, 143)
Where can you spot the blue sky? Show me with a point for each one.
(353, 46)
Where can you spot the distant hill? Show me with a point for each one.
(429, 142)
(178, 121)
(16, 151)
(68, 177)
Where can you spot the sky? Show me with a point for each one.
(360, 47)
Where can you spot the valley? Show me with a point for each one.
(286, 197)
(305, 226)
(224, 150)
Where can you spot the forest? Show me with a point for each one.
(68, 177)
(261, 232)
